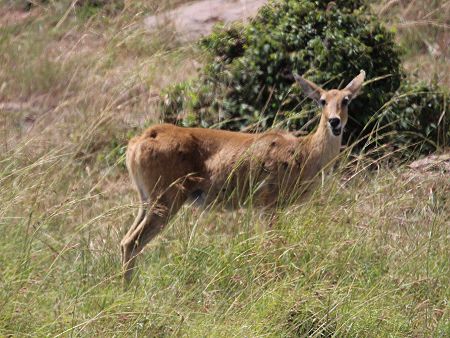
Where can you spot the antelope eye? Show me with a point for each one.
(322, 102)
(345, 101)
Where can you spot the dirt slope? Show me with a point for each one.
(196, 19)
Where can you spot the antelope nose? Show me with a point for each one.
(334, 122)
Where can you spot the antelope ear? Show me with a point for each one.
(310, 89)
(355, 85)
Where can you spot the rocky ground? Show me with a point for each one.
(196, 19)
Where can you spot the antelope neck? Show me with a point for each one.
(325, 146)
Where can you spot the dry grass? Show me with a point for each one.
(104, 72)
(423, 29)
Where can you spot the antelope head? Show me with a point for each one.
(334, 102)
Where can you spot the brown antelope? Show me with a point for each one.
(170, 165)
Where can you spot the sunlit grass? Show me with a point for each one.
(368, 256)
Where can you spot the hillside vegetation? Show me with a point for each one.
(247, 83)
(367, 256)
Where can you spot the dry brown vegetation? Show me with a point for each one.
(423, 28)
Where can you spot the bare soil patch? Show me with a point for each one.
(197, 19)
(11, 16)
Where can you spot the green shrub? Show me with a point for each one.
(247, 82)
(248, 79)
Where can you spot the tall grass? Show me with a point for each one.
(368, 255)
(423, 29)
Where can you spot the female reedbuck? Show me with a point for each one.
(170, 165)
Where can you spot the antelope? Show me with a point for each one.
(170, 165)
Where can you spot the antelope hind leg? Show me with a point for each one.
(152, 222)
(135, 240)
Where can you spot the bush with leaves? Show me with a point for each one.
(247, 82)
